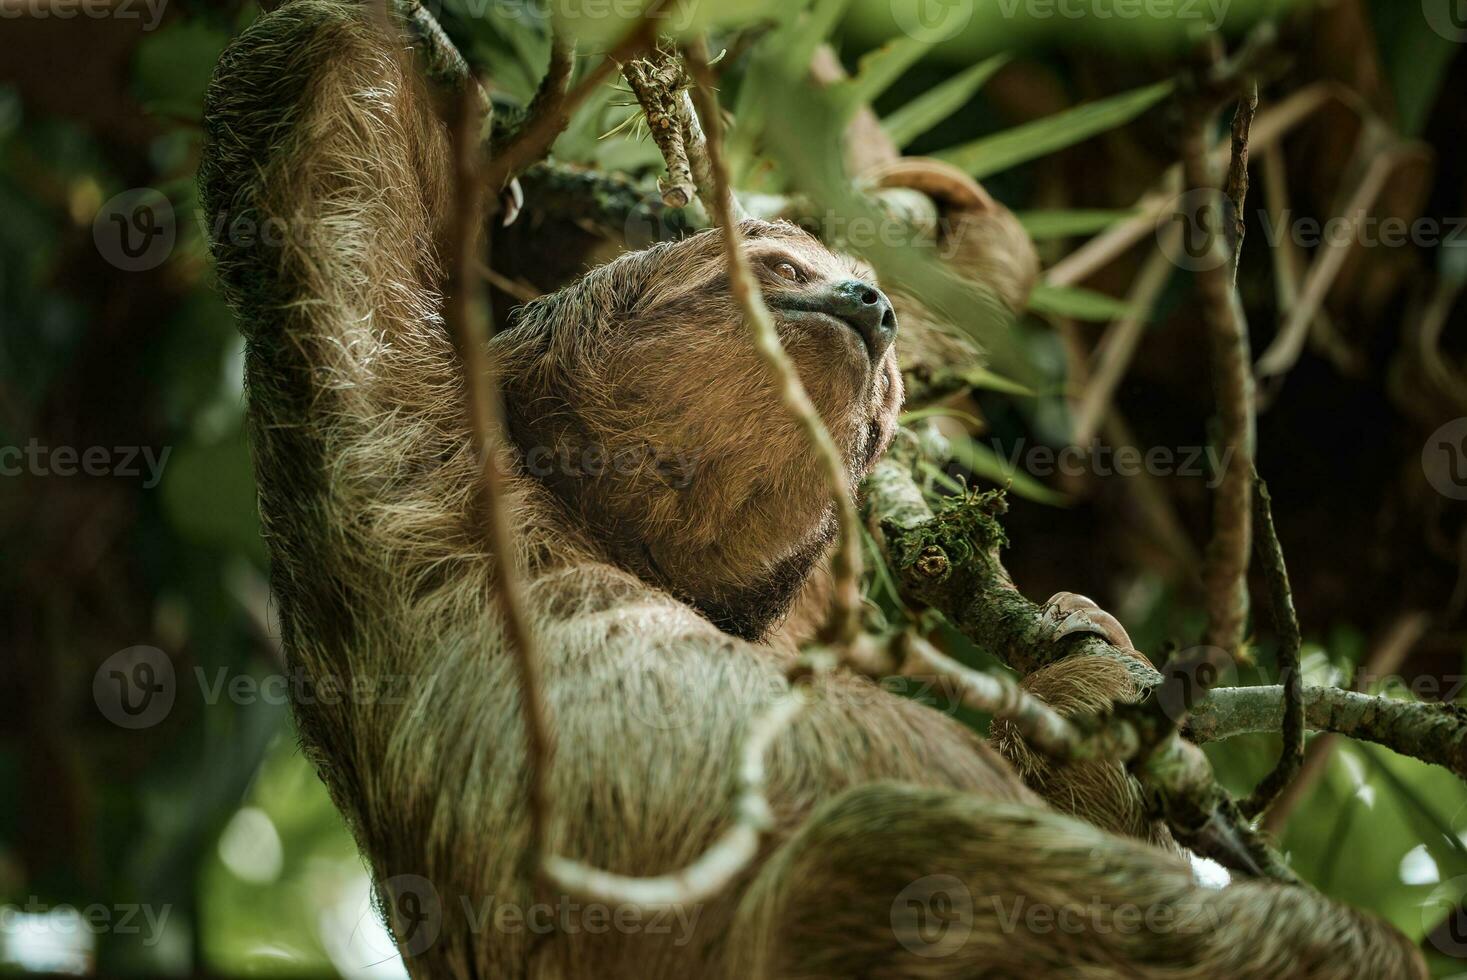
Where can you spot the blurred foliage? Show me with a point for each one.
(214, 813)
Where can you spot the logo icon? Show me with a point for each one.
(650, 221)
(135, 230)
(1189, 674)
(931, 21)
(1447, 17)
(414, 912)
(135, 688)
(933, 916)
(1444, 459)
(1197, 232)
(1444, 918)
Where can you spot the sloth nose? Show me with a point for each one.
(867, 309)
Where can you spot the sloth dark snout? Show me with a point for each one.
(863, 307)
(867, 309)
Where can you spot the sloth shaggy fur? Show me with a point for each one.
(649, 585)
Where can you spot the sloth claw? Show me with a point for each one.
(511, 201)
(1066, 613)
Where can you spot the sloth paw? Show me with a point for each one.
(1066, 613)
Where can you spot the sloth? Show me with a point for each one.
(666, 514)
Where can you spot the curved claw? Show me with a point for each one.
(511, 200)
(1066, 613)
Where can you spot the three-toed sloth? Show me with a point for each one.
(682, 512)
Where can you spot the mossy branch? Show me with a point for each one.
(1435, 733)
(950, 560)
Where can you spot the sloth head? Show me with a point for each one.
(637, 396)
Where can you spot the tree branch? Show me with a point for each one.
(534, 138)
(1281, 600)
(661, 87)
(1237, 184)
(1435, 733)
(950, 561)
(466, 316)
(1226, 566)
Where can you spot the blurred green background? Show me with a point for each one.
(201, 843)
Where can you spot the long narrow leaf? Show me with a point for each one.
(1042, 225)
(931, 108)
(1044, 136)
(1079, 304)
(879, 68)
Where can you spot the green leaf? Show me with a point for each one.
(932, 107)
(981, 377)
(1023, 143)
(877, 69)
(987, 463)
(1042, 225)
(1077, 303)
(941, 411)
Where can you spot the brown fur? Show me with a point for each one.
(366, 481)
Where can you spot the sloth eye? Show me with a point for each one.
(787, 270)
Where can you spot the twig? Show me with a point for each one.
(1237, 184)
(660, 85)
(468, 321)
(1281, 354)
(1271, 126)
(1226, 563)
(1113, 353)
(739, 845)
(1281, 601)
(1385, 659)
(721, 862)
(518, 288)
(1435, 733)
(844, 622)
(550, 97)
(1059, 738)
(442, 61)
(1288, 266)
(534, 138)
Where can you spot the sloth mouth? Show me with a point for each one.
(839, 325)
(875, 335)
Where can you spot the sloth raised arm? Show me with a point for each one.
(666, 513)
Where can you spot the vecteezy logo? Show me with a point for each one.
(1447, 17)
(659, 699)
(1445, 920)
(135, 230)
(931, 21)
(1444, 459)
(135, 688)
(413, 911)
(1190, 674)
(1196, 231)
(933, 916)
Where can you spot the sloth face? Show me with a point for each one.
(638, 396)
